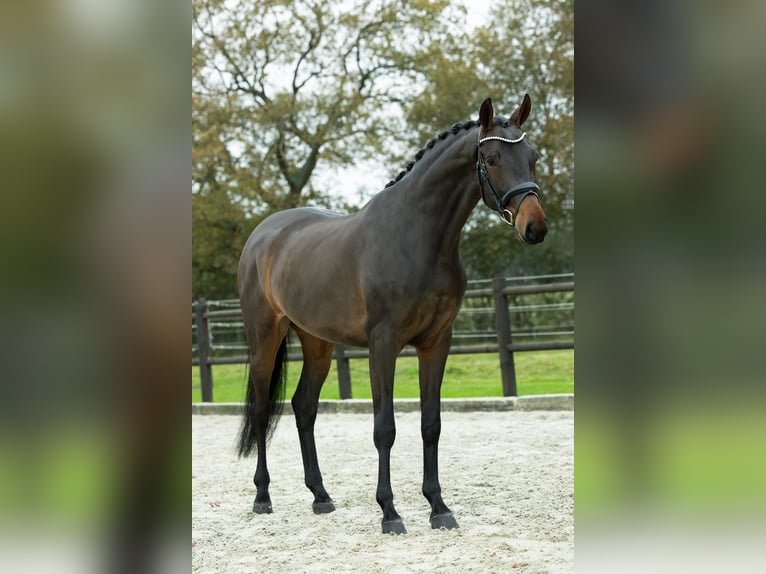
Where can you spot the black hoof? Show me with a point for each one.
(323, 507)
(262, 507)
(446, 520)
(394, 527)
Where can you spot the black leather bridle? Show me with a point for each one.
(524, 189)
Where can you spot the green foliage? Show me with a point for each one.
(301, 83)
(453, 91)
(490, 249)
(219, 230)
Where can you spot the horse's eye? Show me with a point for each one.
(491, 161)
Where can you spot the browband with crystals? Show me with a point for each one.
(524, 189)
(506, 140)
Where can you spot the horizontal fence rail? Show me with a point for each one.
(496, 333)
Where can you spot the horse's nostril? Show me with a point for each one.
(535, 234)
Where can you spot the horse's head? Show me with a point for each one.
(506, 167)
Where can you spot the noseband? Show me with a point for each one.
(524, 189)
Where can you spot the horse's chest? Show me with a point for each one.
(433, 315)
(420, 306)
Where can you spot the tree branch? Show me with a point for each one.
(315, 36)
(238, 76)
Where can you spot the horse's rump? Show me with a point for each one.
(304, 263)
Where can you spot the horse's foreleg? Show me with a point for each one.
(431, 372)
(383, 352)
(317, 358)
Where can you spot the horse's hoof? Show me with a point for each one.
(324, 507)
(446, 520)
(394, 526)
(262, 507)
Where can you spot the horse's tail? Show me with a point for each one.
(248, 436)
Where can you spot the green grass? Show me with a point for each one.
(539, 372)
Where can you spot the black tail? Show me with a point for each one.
(248, 435)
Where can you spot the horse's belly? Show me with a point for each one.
(331, 319)
(351, 337)
(329, 308)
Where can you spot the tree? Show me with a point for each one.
(303, 82)
(453, 91)
(280, 87)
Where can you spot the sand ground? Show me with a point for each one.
(507, 476)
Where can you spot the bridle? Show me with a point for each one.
(524, 189)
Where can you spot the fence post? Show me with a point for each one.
(203, 352)
(344, 372)
(503, 327)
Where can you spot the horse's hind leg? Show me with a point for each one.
(266, 336)
(317, 358)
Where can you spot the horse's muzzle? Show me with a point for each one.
(535, 232)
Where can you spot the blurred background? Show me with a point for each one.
(96, 227)
(670, 467)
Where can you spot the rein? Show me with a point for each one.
(524, 189)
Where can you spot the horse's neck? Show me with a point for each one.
(443, 192)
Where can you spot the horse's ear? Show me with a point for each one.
(487, 115)
(521, 114)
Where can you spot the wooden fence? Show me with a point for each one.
(504, 346)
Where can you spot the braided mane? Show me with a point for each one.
(454, 130)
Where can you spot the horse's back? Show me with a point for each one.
(283, 222)
(278, 229)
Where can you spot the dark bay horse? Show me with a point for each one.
(384, 277)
